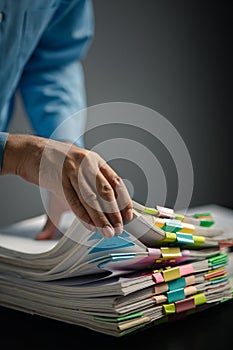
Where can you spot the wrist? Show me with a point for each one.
(17, 157)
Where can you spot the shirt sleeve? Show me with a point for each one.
(3, 139)
(52, 85)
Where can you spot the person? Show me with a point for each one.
(42, 46)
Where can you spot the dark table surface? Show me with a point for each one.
(209, 329)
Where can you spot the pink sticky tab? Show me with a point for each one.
(158, 277)
(184, 305)
(155, 252)
(186, 269)
(165, 212)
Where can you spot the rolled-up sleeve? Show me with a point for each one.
(52, 85)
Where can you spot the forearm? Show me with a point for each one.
(22, 155)
(94, 191)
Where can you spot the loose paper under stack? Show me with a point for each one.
(164, 265)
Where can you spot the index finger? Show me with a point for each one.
(123, 199)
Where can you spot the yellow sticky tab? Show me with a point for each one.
(171, 274)
(169, 253)
(169, 308)
(198, 240)
(187, 228)
(150, 211)
(169, 237)
(179, 217)
(159, 222)
(216, 278)
(199, 298)
(219, 269)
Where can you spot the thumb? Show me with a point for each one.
(48, 230)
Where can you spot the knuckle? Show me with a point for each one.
(89, 196)
(106, 191)
(70, 167)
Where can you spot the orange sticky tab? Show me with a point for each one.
(190, 280)
(159, 299)
(190, 290)
(161, 288)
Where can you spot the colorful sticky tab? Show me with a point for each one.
(215, 273)
(199, 298)
(186, 269)
(198, 240)
(179, 216)
(219, 259)
(150, 211)
(169, 253)
(184, 305)
(158, 277)
(160, 288)
(175, 295)
(172, 225)
(187, 228)
(165, 212)
(205, 219)
(202, 215)
(170, 237)
(169, 308)
(171, 274)
(184, 238)
(176, 284)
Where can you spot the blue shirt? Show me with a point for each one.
(42, 43)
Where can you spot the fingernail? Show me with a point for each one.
(129, 214)
(108, 232)
(118, 229)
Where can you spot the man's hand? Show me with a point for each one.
(91, 188)
(55, 207)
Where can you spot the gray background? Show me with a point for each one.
(174, 57)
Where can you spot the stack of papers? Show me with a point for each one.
(164, 265)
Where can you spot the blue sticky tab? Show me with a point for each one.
(115, 258)
(173, 225)
(175, 295)
(177, 284)
(184, 238)
(110, 244)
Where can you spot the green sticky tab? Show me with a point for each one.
(177, 284)
(184, 238)
(175, 295)
(206, 223)
(198, 215)
(199, 298)
(219, 259)
(169, 308)
(151, 211)
(172, 225)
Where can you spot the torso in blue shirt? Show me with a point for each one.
(41, 45)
